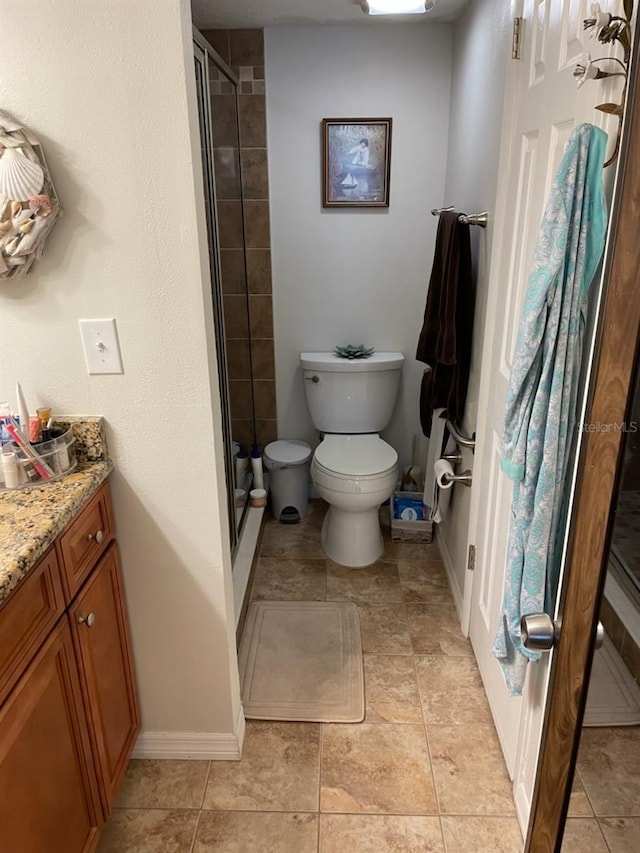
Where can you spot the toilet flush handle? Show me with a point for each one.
(313, 378)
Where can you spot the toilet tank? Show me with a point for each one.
(351, 395)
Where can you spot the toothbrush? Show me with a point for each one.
(23, 412)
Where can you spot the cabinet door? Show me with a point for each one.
(102, 644)
(26, 618)
(48, 796)
(84, 540)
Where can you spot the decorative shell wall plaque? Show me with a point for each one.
(29, 205)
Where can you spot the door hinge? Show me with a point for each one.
(515, 44)
(471, 559)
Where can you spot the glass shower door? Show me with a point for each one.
(625, 539)
(222, 168)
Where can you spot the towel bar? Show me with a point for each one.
(459, 437)
(480, 219)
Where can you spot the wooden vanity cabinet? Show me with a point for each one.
(84, 540)
(27, 618)
(101, 640)
(48, 792)
(68, 709)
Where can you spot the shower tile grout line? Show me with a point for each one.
(195, 832)
(429, 753)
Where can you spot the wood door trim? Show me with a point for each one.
(599, 470)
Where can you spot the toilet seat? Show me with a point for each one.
(362, 456)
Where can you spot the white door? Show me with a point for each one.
(542, 106)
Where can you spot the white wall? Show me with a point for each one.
(107, 86)
(352, 275)
(481, 47)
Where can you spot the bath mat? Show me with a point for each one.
(302, 661)
(614, 697)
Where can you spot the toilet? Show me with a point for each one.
(353, 469)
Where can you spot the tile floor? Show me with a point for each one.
(423, 772)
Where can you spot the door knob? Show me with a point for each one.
(539, 632)
(89, 620)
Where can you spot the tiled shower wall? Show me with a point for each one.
(243, 50)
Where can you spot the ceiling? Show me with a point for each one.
(209, 14)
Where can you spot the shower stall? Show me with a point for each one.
(217, 93)
(620, 610)
(625, 540)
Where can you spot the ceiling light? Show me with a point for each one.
(397, 7)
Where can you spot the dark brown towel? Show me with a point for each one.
(445, 339)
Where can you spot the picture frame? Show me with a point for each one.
(356, 158)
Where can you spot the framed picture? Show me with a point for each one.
(356, 155)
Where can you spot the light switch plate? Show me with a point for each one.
(101, 348)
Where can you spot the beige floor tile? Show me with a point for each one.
(377, 769)
(383, 628)
(293, 541)
(315, 512)
(391, 690)
(451, 690)
(470, 773)
(622, 834)
(149, 831)
(482, 835)
(579, 805)
(424, 583)
(421, 552)
(435, 630)
(153, 784)
(583, 835)
(376, 584)
(262, 832)
(277, 579)
(609, 762)
(279, 770)
(380, 834)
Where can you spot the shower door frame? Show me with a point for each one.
(203, 53)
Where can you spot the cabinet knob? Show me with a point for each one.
(98, 536)
(89, 620)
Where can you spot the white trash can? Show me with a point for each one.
(288, 463)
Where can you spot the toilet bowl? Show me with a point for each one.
(350, 401)
(354, 474)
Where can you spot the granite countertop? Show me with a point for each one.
(31, 518)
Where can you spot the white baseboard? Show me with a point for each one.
(456, 592)
(207, 746)
(523, 808)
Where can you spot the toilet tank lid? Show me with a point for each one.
(330, 361)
